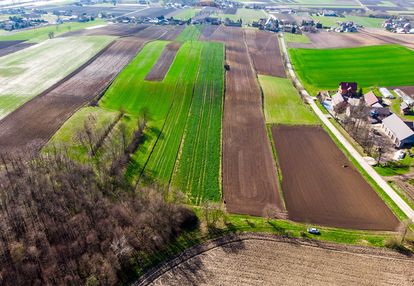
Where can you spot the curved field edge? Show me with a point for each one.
(241, 224)
(324, 69)
(198, 167)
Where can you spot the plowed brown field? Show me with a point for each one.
(9, 47)
(249, 173)
(265, 53)
(31, 125)
(161, 67)
(267, 260)
(365, 37)
(408, 89)
(321, 186)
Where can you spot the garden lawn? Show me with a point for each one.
(39, 34)
(186, 14)
(282, 103)
(363, 21)
(247, 15)
(296, 38)
(198, 168)
(324, 69)
(28, 72)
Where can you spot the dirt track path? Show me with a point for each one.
(254, 259)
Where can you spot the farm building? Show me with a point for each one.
(348, 88)
(370, 99)
(386, 93)
(406, 98)
(404, 108)
(398, 131)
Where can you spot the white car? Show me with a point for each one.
(314, 230)
(399, 155)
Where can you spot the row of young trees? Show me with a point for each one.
(69, 223)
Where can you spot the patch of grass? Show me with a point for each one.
(186, 14)
(323, 69)
(190, 33)
(296, 38)
(400, 167)
(39, 34)
(246, 15)
(395, 108)
(28, 72)
(198, 168)
(283, 104)
(368, 22)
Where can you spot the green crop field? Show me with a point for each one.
(296, 38)
(190, 33)
(282, 103)
(198, 169)
(28, 72)
(39, 34)
(323, 69)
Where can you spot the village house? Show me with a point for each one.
(338, 103)
(370, 99)
(404, 108)
(398, 131)
(348, 89)
(406, 98)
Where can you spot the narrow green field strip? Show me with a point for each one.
(190, 33)
(40, 34)
(282, 103)
(164, 155)
(198, 168)
(28, 72)
(186, 14)
(323, 69)
(296, 38)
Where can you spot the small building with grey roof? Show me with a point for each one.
(398, 131)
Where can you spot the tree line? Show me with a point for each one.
(65, 222)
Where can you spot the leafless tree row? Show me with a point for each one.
(70, 223)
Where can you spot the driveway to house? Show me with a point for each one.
(408, 211)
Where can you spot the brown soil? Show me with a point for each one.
(408, 90)
(208, 30)
(249, 173)
(173, 32)
(9, 47)
(161, 67)
(265, 53)
(31, 125)
(365, 37)
(270, 260)
(321, 186)
(108, 30)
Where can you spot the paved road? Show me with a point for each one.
(409, 212)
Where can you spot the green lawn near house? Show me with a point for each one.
(246, 15)
(324, 69)
(283, 104)
(296, 38)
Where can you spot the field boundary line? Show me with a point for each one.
(150, 276)
(401, 204)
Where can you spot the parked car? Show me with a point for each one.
(314, 230)
(399, 155)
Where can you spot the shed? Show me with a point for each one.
(398, 131)
(407, 99)
(386, 93)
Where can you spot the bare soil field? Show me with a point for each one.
(271, 260)
(208, 30)
(249, 173)
(31, 125)
(9, 47)
(161, 67)
(365, 37)
(265, 53)
(321, 186)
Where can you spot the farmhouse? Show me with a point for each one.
(398, 131)
(338, 102)
(370, 99)
(348, 88)
(407, 99)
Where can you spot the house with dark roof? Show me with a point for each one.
(398, 131)
(348, 89)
